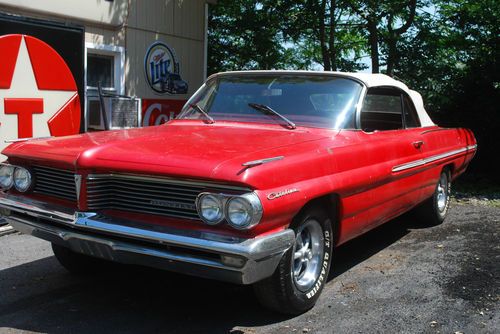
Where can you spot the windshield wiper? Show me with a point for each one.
(268, 110)
(202, 111)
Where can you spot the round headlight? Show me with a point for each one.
(244, 211)
(239, 212)
(22, 179)
(6, 176)
(210, 209)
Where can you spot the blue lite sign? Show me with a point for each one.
(159, 70)
(163, 71)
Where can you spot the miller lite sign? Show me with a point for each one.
(38, 94)
(163, 71)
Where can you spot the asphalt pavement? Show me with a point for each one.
(398, 278)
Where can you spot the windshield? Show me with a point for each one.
(307, 100)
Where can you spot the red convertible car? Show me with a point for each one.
(256, 182)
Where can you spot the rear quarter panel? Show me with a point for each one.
(456, 147)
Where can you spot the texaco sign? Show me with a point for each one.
(38, 94)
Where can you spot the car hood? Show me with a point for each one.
(183, 148)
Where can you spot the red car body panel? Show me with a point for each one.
(355, 167)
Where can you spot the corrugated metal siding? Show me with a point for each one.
(135, 26)
(189, 53)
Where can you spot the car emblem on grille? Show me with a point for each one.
(173, 205)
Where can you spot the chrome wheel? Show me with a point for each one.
(308, 252)
(442, 192)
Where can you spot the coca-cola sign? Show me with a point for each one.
(159, 111)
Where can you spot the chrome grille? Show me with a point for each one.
(55, 182)
(159, 196)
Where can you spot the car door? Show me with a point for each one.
(392, 151)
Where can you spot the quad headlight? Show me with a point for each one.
(210, 208)
(22, 179)
(14, 176)
(244, 211)
(240, 211)
(6, 176)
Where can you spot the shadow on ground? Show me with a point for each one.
(136, 299)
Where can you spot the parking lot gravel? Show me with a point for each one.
(398, 278)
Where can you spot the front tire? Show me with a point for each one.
(78, 264)
(302, 273)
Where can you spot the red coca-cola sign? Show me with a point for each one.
(159, 111)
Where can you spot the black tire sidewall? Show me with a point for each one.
(80, 264)
(299, 300)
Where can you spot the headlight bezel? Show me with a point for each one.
(29, 177)
(224, 200)
(11, 184)
(250, 199)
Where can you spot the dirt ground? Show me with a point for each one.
(399, 278)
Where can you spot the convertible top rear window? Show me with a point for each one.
(306, 100)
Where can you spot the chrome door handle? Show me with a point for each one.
(418, 143)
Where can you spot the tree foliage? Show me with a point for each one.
(247, 35)
(448, 50)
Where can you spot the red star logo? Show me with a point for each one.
(38, 94)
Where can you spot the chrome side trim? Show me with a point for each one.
(261, 161)
(444, 155)
(422, 162)
(409, 165)
(471, 147)
(165, 179)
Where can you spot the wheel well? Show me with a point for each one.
(451, 168)
(331, 204)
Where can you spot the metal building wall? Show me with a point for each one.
(133, 25)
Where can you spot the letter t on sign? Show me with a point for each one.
(24, 108)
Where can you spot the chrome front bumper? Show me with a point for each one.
(209, 255)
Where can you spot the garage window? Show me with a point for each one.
(101, 69)
(104, 65)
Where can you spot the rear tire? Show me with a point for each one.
(302, 273)
(434, 210)
(78, 264)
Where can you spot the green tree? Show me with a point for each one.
(246, 35)
(322, 31)
(385, 22)
(298, 34)
(448, 50)
(453, 60)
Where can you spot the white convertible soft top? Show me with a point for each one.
(378, 80)
(369, 79)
